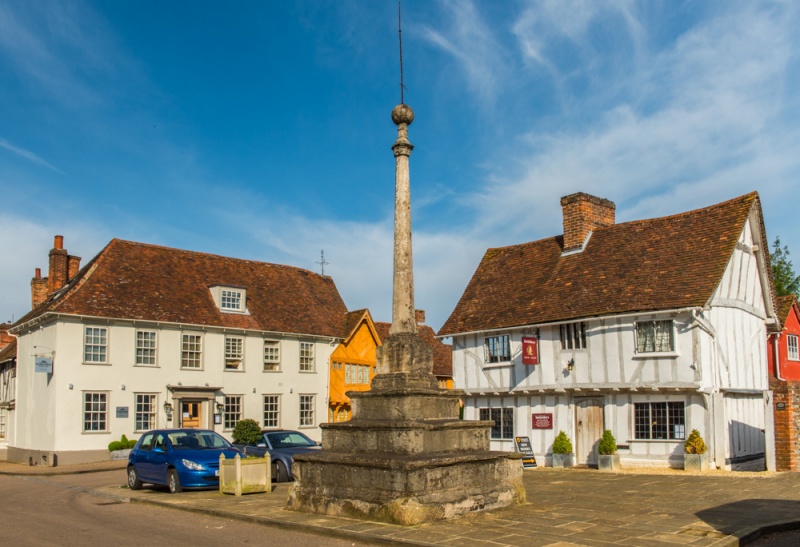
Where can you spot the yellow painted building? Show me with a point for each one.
(352, 364)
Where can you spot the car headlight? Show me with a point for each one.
(194, 466)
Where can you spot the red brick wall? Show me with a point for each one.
(787, 424)
(57, 276)
(582, 214)
(39, 289)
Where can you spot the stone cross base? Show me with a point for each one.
(406, 490)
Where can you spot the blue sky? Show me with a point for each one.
(262, 129)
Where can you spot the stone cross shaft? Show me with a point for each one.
(403, 317)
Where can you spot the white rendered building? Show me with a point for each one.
(146, 337)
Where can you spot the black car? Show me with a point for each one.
(282, 445)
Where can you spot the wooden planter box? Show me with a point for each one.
(244, 476)
(609, 462)
(695, 462)
(562, 460)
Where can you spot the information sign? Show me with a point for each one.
(524, 446)
(530, 350)
(43, 364)
(122, 412)
(542, 421)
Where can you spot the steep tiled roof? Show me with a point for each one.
(785, 306)
(129, 280)
(9, 351)
(662, 263)
(351, 320)
(442, 353)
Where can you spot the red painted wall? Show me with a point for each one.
(789, 370)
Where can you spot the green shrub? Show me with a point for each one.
(695, 444)
(121, 444)
(608, 445)
(562, 444)
(246, 432)
(115, 445)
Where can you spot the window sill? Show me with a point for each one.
(657, 355)
(138, 365)
(198, 369)
(234, 370)
(307, 371)
(634, 441)
(272, 371)
(97, 432)
(94, 363)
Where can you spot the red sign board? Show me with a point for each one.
(542, 421)
(530, 350)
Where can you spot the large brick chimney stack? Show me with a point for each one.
(63, 267)
(584, 213)
(5, 338)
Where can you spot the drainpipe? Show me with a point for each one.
(775, 357)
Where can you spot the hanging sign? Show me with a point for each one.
(524, 446)
(542, 421)
(43, 364)
(530, 350)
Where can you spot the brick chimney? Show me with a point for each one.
(419, 316)
(63, 267)
(73, 265)
(584, 213)
(38, 289)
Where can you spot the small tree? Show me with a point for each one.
(562, 444)
(608, 444)
(246, 432)
(786, 281)
(695, 443)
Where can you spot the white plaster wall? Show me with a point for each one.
(49, 415)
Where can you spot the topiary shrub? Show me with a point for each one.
(246, 432)
(608, 445)
(132, 443)
(695, 443)
(562, 444)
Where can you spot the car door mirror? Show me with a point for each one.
(158, 450)
(261, 445)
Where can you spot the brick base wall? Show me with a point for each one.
(787, 424)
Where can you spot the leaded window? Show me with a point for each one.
(656, 421)
(497, 349)
(503, 419)
(654, 336)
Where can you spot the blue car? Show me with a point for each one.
(282, 445)
(178, 458)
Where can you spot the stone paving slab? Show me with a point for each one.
(565, 507)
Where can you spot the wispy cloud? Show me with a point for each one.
(27, 154)
(470, 41)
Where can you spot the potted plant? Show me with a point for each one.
(695, 458)
(248, 475)
(121, 449)
(608, 459)
(562, 450)
(246, 432)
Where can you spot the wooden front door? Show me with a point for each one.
(588, 430)
(190, 413)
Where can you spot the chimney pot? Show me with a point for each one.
(38, 273)
(419, 315)
(58, 243)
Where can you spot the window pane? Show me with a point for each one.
(233, 411)
(146, 406)
(94, 411)
(497, 349)
(272, 355)
(234, 350)
(307, 410)
(145, 347)
(272, 410)
(191, 351)
(94, 345)
(306, 357)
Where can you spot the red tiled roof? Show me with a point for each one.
(663, 263)
(129, 280)
(9, 351)
(785, 306)
(442, 353)
(351, 320)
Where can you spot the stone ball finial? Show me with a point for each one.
(402, 113)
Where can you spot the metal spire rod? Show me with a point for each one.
(400, 35)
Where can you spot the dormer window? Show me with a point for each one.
(230, 299)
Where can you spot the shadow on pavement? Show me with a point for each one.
(745, 519)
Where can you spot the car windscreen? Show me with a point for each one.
(197, 440)
(288, 439)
